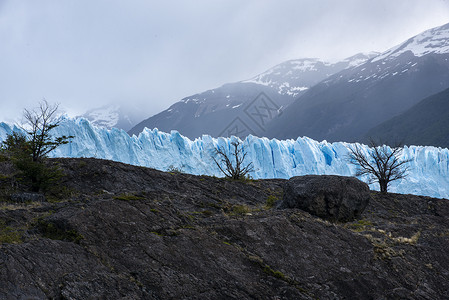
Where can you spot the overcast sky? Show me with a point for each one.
(88, 53)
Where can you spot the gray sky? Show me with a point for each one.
(87, 53)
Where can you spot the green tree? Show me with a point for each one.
(16, 144)
(28, 151)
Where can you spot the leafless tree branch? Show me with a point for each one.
(382, 164)
(236, 170)
(39, 122)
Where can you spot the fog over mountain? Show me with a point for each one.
(88, 54)
(234, 108)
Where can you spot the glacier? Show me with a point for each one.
(272, 158)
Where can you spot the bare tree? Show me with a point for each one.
(39, 122)
(382, 164)
(232, 166)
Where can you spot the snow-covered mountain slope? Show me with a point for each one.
(435, 40)
(214, 111)
(429, 168)
(295, 76)
(115, 116)
(345, 106)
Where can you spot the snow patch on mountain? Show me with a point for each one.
(295, 76)
(379, 70)
(286, 89)
(360, 59)
(283, 76)
(429, 166)
(435, 40)
(194, 100)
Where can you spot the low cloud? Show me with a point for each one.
(85, 54)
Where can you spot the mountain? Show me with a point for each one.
(214, 111)
(426, 123)
(296, 76)
(115, 115)
(124, 232)
(247, 106)
(271, 158)
(345, 106)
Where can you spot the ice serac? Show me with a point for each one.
(272, 158)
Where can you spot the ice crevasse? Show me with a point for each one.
(272, 158)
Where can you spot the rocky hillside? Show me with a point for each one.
(116, 231)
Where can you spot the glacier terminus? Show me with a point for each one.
(272, 158)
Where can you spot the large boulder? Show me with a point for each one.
(334, 198)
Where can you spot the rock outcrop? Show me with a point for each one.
(122, 232)
(27, 197)
(334, 198)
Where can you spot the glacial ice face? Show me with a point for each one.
(429, 168)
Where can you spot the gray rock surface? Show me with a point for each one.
(334, 198)
(27, 197)
(124, 232)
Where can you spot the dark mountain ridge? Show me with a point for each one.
(348, 104)
(426, 123)
(212, 111)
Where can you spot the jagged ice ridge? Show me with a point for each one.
(429, 168)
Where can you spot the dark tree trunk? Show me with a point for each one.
(383, 186)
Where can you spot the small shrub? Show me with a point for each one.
(54, 232)
(82, 164)
(360, 225)
(59, 193)
(4, 177)
(9, 235)
(240, 209)
(38, 175)
(3, 157)
(271, 200)
(174, 170)
(207, 213)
